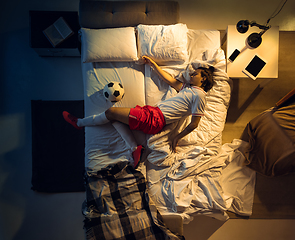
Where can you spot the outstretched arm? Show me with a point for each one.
(166, 77)
(193, 124)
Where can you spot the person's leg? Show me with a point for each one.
(112, 114)
(119, 114)
(119, 117)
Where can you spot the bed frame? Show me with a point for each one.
(111, 14)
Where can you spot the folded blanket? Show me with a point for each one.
(119, 207)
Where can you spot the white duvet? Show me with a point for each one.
(203, 177)
(202, 182)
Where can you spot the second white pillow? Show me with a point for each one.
(163, 43)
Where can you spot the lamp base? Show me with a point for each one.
(254, 40)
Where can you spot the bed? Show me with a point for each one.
(204, 176)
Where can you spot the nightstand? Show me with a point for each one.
(268, 51)
(40, 20)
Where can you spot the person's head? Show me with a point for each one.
(203, 77)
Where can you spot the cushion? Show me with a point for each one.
(163, 43)
(200, 41)
(285, 117)
(271, 151)
(184, 76)
(109, 45)
(212, 58)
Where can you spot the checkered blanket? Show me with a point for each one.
(118, 206)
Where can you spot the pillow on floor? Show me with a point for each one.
(271, 151)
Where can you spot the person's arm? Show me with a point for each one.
(166, 77)
(193, 125)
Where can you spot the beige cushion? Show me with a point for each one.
(271, 151)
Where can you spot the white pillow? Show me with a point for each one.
(163, 43)
(184, 76)
(200, 41)
(109, 45)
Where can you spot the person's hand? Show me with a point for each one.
(148, 60)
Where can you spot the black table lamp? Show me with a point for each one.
(254, 39)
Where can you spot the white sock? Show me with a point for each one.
(93, 120)
(126, 134)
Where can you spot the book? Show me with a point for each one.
(58, 32)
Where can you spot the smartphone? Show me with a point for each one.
(254, 67)
(234, 55)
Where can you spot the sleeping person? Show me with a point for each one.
(190, 100)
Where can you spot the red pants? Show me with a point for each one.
(148, 119)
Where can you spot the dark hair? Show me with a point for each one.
(208, 74)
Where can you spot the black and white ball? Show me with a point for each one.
(113, 91)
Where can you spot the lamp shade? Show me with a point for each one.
(243, 26)
(254, 40)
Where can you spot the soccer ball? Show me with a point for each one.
(113, 91)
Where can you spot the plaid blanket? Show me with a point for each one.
(118, 206)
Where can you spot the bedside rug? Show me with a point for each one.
(57, 147)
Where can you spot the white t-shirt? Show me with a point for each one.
(190, 100)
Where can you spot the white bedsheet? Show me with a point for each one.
(199, 181)
(103, 144)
